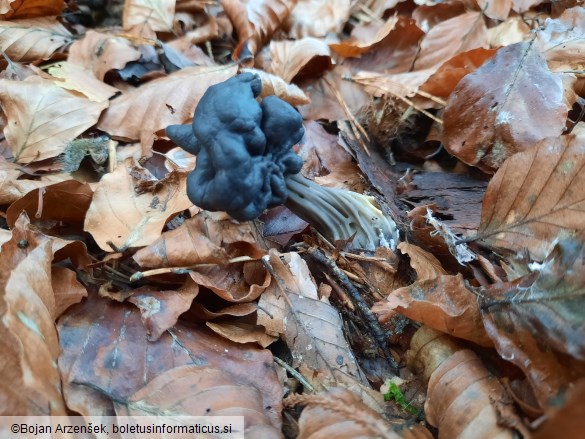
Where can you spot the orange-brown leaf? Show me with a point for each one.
(536, 197)
(255, 21)
(308, 57)
(138, 114)
(32, 8)
(120, 215)
(43, 117)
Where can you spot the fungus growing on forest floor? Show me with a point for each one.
(246, 164)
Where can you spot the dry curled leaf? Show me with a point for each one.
(275, 85)
(463, 398)
(489, 116)
(100, 53)
(140, 113)
(307, 57)
(536, 196)
(43, 117)
(33, 39)
(255, 21)
(426, 265)
(125, 218)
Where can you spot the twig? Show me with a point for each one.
(359, 302)
(307, 385)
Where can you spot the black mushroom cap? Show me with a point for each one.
(243, 147)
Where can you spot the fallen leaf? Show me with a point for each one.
(489, 115)
(100, 53)
(43, 117)
(311, 327)
(200, 391)
(362, 42)
(316, 18)
(307, 57)
(562, 40)
(450, 37)
(68, 291)
(462, 397)
(255, 21)
(426, 265)
(442, 83)
(77, 78)
(138, 114)
(240, 332)
(107, 357)
(428, 16)
(340, 413)
(497, 10)
(275, 85)
(203, 239)
(157, 15)
(160, 310)
(120, 215)
(513, 30)
(535, 197)
(443, 303)
(536, 321)
(47, 203)
(32, 8)
(33, 39)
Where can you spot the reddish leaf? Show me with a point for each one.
(32, 8)
(490, 115)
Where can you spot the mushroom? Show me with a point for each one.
(246, 164)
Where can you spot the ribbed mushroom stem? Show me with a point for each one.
(338, 214)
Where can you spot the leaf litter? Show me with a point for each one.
(464, 122)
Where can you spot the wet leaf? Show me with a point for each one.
(43, 118)
(488, 116)
(536, 321)
(535, 197)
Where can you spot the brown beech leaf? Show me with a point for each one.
(562, 40)
(426, 265)
(442, 303)
(307, 57)
(317, 18)
(75, 77)
(341, 414)
(68, 291)
(157, 15)
(255, 21)
(11, 187)
(490, 114)
(498, 10)
(463, 398)
(205, 238)
(311, 327)
(429, 15)
(125, 218)
(107, 357)
(160, 310)
(43, 117)
(33, 39)
(32, 8)
(28, 338)
(521, 6)
(443, 81)
(138, 114)
(536, 322)
(320, 150)
(536, 197)
(238, 282)
(47, 203)
(450, 37)
(240, 332)
(100, 53)
(513, 30)
(273, 85)
(200, 391)
(394, 53)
